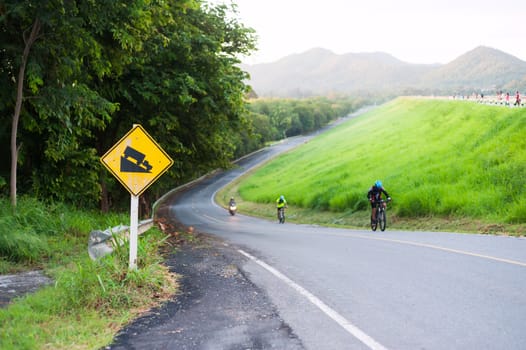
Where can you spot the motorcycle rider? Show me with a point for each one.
(375, 195)
(232, 206)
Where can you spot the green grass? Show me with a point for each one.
(89, 301)
(444, 161)
(39, 234)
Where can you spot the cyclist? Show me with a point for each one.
(281, 202)
(375, 195)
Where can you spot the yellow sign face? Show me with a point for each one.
(136, 160)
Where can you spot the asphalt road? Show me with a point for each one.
(351, 289)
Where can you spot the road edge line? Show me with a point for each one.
(333, 314)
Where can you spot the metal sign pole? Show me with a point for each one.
(134, 223)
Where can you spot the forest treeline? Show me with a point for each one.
(275, 119)
(76, 75)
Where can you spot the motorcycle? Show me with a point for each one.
(232, 209)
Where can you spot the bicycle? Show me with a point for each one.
(381, 217)
(281, 215)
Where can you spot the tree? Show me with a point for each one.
(186, 89)
(97, 67)
(49, 59)
(80, 43)
(28, 42)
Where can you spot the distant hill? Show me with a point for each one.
(321, 72)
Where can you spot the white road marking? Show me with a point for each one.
(213, 219)
(456, 251)
(342, 321)
(431, 246)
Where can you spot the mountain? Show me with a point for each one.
(482, 68)
(319, 72)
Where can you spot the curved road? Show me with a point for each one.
(353, 289)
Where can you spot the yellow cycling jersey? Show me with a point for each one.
(280, 204)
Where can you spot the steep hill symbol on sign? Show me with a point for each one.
(133, 162)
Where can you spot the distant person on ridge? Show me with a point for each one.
(517, 99)
(375, 195)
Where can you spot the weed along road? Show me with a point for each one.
(351, 289)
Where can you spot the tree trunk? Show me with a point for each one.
(144, 208)
(104, 199)
(18, 108)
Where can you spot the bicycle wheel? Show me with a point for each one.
(383, 220)
(374, 224)
(281, 216)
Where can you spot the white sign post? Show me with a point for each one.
(134, 224)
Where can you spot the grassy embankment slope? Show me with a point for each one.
(449, 165)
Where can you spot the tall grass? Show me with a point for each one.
(89, 301)
(39, 232)
(435, 157)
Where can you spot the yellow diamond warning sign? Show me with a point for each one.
(136, 160)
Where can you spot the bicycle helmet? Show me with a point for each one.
(282, 197)
(378, 183)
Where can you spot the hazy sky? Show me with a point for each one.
(414, 31)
